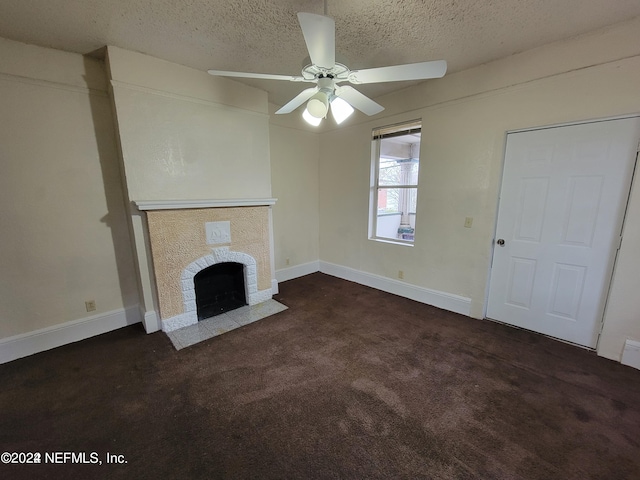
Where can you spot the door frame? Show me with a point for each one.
(497, 207)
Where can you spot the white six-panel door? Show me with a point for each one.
(562, 204)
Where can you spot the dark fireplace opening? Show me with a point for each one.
(219, 288)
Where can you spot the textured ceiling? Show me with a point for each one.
(263, 35)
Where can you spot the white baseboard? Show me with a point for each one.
(446, 301)
(631, 354)
(150, 320)
(26, 344)
(296, 271)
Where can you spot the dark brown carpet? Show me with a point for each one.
(348, 383)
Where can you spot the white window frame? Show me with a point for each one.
(377, 135)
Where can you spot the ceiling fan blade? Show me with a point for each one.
(358, 100)
(395, 73)
(320, 36)
(265, 76)
(298, 100)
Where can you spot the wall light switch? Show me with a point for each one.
(468, 221)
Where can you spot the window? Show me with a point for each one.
(395, 160)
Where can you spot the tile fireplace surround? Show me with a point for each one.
(188, 236)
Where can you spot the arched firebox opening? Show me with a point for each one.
(219, 288)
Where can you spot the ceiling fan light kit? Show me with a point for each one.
(310, 119)
(340, 110)
(319, 36)
(318, 105)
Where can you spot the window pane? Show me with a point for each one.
(398, 172)
(399, 160)
(396, 213)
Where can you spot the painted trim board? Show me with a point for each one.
(631, 354)
(296, 271)
(144, 205)
(26, 344)
(446, 301)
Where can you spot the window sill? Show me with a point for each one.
(394, 241)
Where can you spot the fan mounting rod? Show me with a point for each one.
(326, 84)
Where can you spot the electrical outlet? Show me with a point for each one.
(288, 261)
(91, 305)
(468, 221)
(400, 274)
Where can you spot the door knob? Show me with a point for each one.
(500, 242)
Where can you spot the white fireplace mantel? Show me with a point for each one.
(185, 204)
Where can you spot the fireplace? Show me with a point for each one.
(208, 257)
(219, 288)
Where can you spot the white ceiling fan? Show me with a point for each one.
(319, 36)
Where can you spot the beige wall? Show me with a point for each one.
(63, 228)
(622, 316)
(463, 139)
(186, 135)
(294, 171)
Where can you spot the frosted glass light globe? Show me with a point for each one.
(318, 105)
